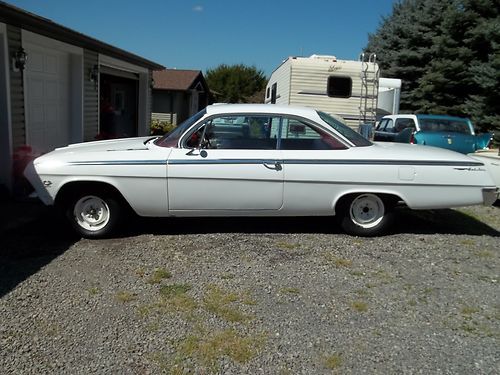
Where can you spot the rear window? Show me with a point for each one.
(445, 125)
(355, 138)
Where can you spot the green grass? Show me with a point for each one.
(171, 290)
(158, 275)
(290, 290)
(124, 296)
(359, 306)
(333, 361)
(339, 262)
(286, 245)
(94, 291)
(220, 303)
(469, 310)
(207, 349)
(174, 297)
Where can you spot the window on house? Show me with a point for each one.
(339, 86)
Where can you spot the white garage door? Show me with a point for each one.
(47, 98)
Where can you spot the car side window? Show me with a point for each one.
(298, 135)
(389, 127)
(403, 123)
(381, 125)
(252, 132)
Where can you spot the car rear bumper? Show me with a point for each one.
(490, 195)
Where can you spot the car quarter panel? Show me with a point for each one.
(314, 180)
(139, 175)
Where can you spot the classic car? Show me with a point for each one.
(491, 160)
(254, 160)
(453, 133)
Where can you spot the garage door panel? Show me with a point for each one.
(48, 97)
(35, 88)
(51, 89)
(36, 61)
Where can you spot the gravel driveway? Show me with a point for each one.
(270, 296)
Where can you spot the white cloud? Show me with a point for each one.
(198, 8)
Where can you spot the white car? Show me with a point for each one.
(491, 160)
(255, 160)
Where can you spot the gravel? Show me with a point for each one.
(249, 296)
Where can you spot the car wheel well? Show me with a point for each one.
(390, 200)
(70, 189)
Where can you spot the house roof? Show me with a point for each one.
(174, 79)
(15, 16)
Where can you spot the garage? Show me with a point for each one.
(47, 97)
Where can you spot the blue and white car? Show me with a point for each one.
(452, 133)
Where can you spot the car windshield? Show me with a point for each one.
(445, 125)
(356, 138)
(172, 138)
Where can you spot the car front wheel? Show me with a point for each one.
(365, 214)
(94, 215)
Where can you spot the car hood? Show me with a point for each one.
(80, 149)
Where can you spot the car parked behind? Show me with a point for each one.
(453, 133)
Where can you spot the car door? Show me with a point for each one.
(384, 130)
(228, 163)
(311, 172)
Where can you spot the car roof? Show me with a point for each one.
(261, 108)
(442, 117)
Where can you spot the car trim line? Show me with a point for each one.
(119, 162)
(286, 161)
(332, 162)
(319, 182)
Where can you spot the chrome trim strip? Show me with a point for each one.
(119, 162)
(331, 162)
(224, 161)
(354, 183)
(286, 162)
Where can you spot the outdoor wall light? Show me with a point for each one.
(152, 83)
(19, 60)
(94, 75)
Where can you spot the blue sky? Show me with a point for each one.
(203, 34)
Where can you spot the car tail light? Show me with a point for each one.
(412, 138)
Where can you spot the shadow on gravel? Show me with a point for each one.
(34, 236)
(445, 221)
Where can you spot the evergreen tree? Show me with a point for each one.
(235, 83)
(447, 52)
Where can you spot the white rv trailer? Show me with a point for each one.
(389, 94)
(345, 88)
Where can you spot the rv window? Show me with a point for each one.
(268, 92)
(274, 89)
(339, 86)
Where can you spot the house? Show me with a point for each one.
(178, 94)
(58, 86)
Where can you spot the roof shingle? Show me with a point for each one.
(174, 79)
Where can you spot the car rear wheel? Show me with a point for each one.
(365, 214)
(93, 214)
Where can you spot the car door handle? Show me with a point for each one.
(276, 166)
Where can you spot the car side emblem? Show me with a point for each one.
(47, 183)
